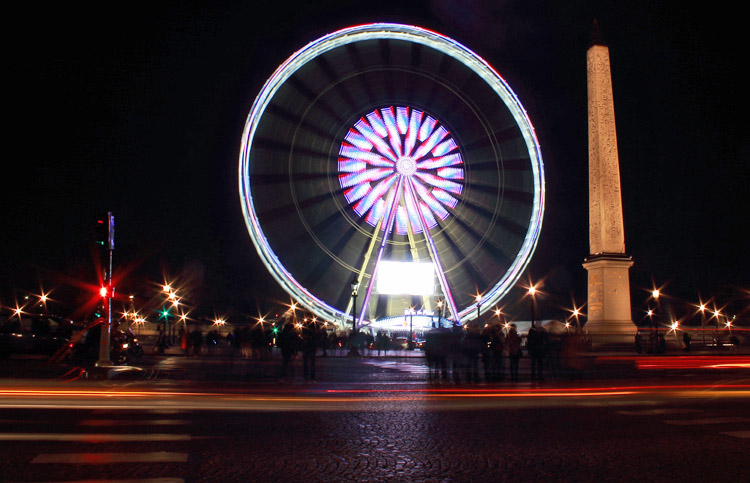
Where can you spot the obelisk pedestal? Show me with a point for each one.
(608, 310)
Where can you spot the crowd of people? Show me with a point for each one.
(457, 354)
(470, 354)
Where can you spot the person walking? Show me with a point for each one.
(537, 345)
(288, 343)
(513, 343)
(309, 344)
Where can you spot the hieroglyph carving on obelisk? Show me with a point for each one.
(605, 201)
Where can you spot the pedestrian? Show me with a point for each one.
(161, 341)
(288, 342)
(472, 349)
(309, 343)
(196, 339)
(513, 344)
(638, 348)
(497, 346)
(536, 342)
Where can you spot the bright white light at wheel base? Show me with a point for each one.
(382, 31)
(406, 278)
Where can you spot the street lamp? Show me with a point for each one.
(353, 351)
(532, 299)
(576, 314)
(702, 308)
(479, 305)
(355, 288)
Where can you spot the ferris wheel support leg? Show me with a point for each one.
(361, 273)
(388, 227)
(433, 254)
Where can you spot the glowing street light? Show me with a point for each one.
(702, 308)
(532, 299)
(479, 304)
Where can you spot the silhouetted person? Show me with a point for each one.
(638, 347)
(288, 343)
(472, 348)
(513, 343)
(536, 344)
(497, 346)
(196, 341)
(309, 342)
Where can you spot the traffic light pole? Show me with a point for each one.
(106, 325)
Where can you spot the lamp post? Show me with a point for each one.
(702, 308)
(440, 312)
(653, 313)
(353, 351)
(479, 305)
(576, 313)
(355, 288)
(410, 345)
(532, 299)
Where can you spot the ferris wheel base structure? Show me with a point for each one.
(390, 143)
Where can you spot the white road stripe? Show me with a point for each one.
(93, 437)
(144, 480)
(738, 434)
(657, 412)
(130, 422)
(142, 411)
(692, 422)
(108, 458)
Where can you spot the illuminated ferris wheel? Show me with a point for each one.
(387, 143)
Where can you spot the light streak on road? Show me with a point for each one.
(354, 399)
(683, 362)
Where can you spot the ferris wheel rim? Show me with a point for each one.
(410, 34)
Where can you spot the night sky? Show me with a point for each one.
(141, 110)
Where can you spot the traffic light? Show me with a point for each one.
(103, 292)
(104, 230)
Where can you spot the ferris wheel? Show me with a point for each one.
(386, 142)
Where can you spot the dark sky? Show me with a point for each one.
(139, 110)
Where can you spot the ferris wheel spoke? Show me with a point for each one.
(471, 273)
(288, 209)
(291, 120)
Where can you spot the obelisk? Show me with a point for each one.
(607, 264)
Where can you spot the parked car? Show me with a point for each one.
(400, 343)
(122, 347)
(34, 334)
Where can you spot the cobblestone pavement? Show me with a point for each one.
(403, 443)
(370, 435)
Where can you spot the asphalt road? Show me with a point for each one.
(216, 419)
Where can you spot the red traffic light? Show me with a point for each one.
(103, 291)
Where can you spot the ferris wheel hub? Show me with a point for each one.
(406, 166)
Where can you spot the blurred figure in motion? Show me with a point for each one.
(513, 343)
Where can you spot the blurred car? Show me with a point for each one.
(86, 347)
(400, 343)
(34, 334)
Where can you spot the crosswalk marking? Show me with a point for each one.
(743, 434)
(93, 437)
(108, 458)
(696, 422)
(738, 434)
